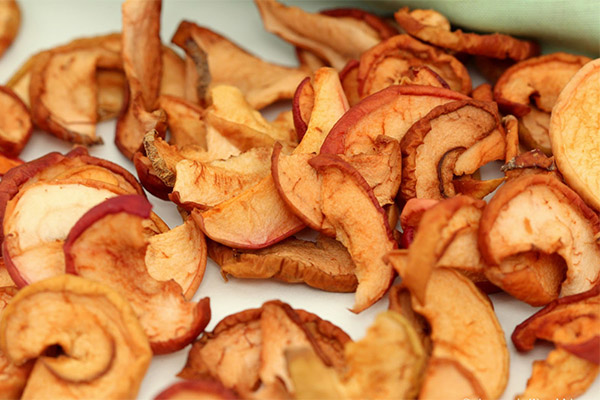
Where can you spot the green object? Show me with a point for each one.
(558, 24)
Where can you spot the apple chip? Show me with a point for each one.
(365, 233)
(112, 86)
(172, 80)
(453, 139)
(335, 40)
(10, 15)
(349, 79)
(7, 163)
(98, 248)
(200, 390)
(142, 62)
(386, 363)
(529, 90)
(245, 351)
(574, 133)
(483, 92)
(384, 29)
(562, 226)
(493, 45)
(15, 123)
(302, 106)
(102, 351)
(325, 265)
(531, 162)
(184, 119)
(386, 63)
(390, 112)
(261, 83)
(308, 60)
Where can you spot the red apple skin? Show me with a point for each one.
(201, 387)
(588, 350)
(299, 123)
(12, 269)
(335, 141)
(151, 182)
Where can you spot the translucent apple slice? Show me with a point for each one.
(98, 248)
(102, 349)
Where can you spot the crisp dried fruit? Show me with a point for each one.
(7, 163)
(531, 162)
(386, 363)
(483, 92)
(360, 224)
(172, 80)
(562, 229)
(15, 123)
(200, 390)
(184, 121)
(493, 45)
(349, 79)
(302, 106)
(335, 40)
(390, 61)
(10, 15)
(390, 112)
(382, 27)
(529, 90)
(511, 128)
(98, 248)
(456, 138)
(142, 63)
(325, 264)
(261, 83)
(103, 351)
(574, 135)
(308, 60)
(112, 86)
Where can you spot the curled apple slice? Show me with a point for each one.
(494, 45)
(302, 105)
(184, 120)
(200, 390)
(335, 40)
(385, 63)
(360, 224)
(529, 90)
(102, 349)
(262, 83)
(453, 139)
(574, 133)
(563, 226)
(98, 248)
(325, 264)
(15, 123)
(10, 14)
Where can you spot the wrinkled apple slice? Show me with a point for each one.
(571, 323)
(261, 83)
(434, 147)
(574, 133)
(302, 106)
(493, 45)
(384, 64)
(531, 162)
(142, 63)
(203, 185)
(562, 225)
(200, 390)
(10, 14)
(12, 378)
(390, 112)
(15, 123)
(178, 254)
(64, 93)
(98, 248)
(184, 120)
(102, 349)
(233, 117)
(335, 40)
(386, 363)
(529, 90)
(325, 264)
(360, 224)
(511, 128)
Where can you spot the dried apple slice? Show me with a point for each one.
(302, 106)
(10, 15)
(97, 248)
(184, 120)
(261, 83)
(308, 60)
(529, 90)
(325, 264)
(574, 133)
(563, 225)
(365, 233)
(384, 65)
(386, 363)
(103, 351)
(390, 112)
(427, 159)
(349, 79)
(7, 163)
(172, 80)
(142, 63)
(382, 27)
(112, 86)
(492, 45)
(204, 185)
(15, 123)
(335, 40)
(531, 162)
(200, 390)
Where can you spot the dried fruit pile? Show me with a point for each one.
(372, 173)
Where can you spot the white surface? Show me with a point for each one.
(47, 23)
